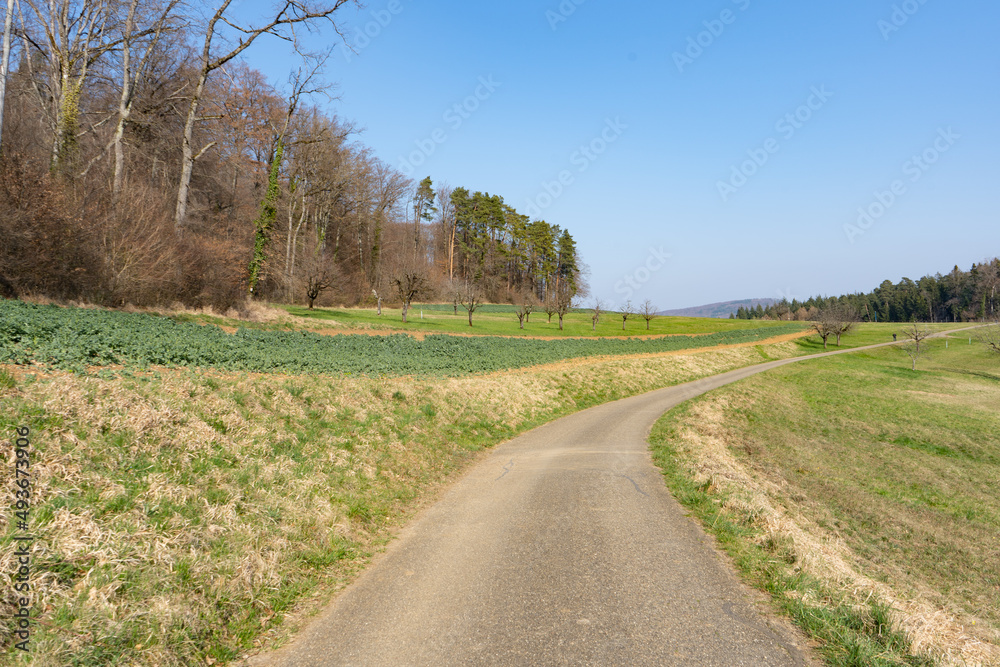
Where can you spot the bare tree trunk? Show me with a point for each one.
(5, 64)
(124, 103)
(289, 14)
(188, 156)
(451, 253)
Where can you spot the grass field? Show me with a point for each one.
(869, 334)
(188, 515)
(843, 482)
(500, 320)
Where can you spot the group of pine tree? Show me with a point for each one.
(959, 296)
(148, 163)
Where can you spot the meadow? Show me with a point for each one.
(501, 320)
(861, 494)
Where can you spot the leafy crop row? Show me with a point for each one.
(76, 338)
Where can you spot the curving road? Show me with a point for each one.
(562, 547)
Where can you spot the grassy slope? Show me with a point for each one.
(854, 476)
(186, 515)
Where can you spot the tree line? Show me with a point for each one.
(958, 296)
(143, 161)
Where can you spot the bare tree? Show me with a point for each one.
(842, 319)
(550, 306)
(916, 335)
(524, 303)
(564, 303)
(471, 298)
(822, 328)
(627, 311)
(595, 313)
(292, 12)
(5, 61)
(990, 336)
(74, 36)
(446, 213)
(409, 285)
(835, 321)
(316, 283)
(302, 84)
(140, 36)
(913, 351)
(648, 312)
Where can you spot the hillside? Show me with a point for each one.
(721, 310)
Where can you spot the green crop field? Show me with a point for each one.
(892, 476)
(80, 338)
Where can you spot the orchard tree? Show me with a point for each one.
(648, 312)
(825, 329)
(525, 303)
(409, 285)
(916, 334)
(471, 298)
(595, 313)
(627, 311)
(990, 336)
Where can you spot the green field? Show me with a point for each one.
(899, 467)
(869, 334)
(500, 320)
(78, 338)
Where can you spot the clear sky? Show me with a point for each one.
(742, 138)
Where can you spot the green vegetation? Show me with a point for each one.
(868, 334)
(959, 296)
(77, 338)
(498, 319)
(892, 473)
(184, 515)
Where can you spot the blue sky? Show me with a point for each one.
(738, 136)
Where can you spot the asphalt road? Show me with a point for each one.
(562, 547)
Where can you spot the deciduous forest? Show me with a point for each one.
(144, 162)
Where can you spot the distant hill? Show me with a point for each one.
(719, 310)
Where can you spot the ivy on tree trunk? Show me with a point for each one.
(265, 220)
